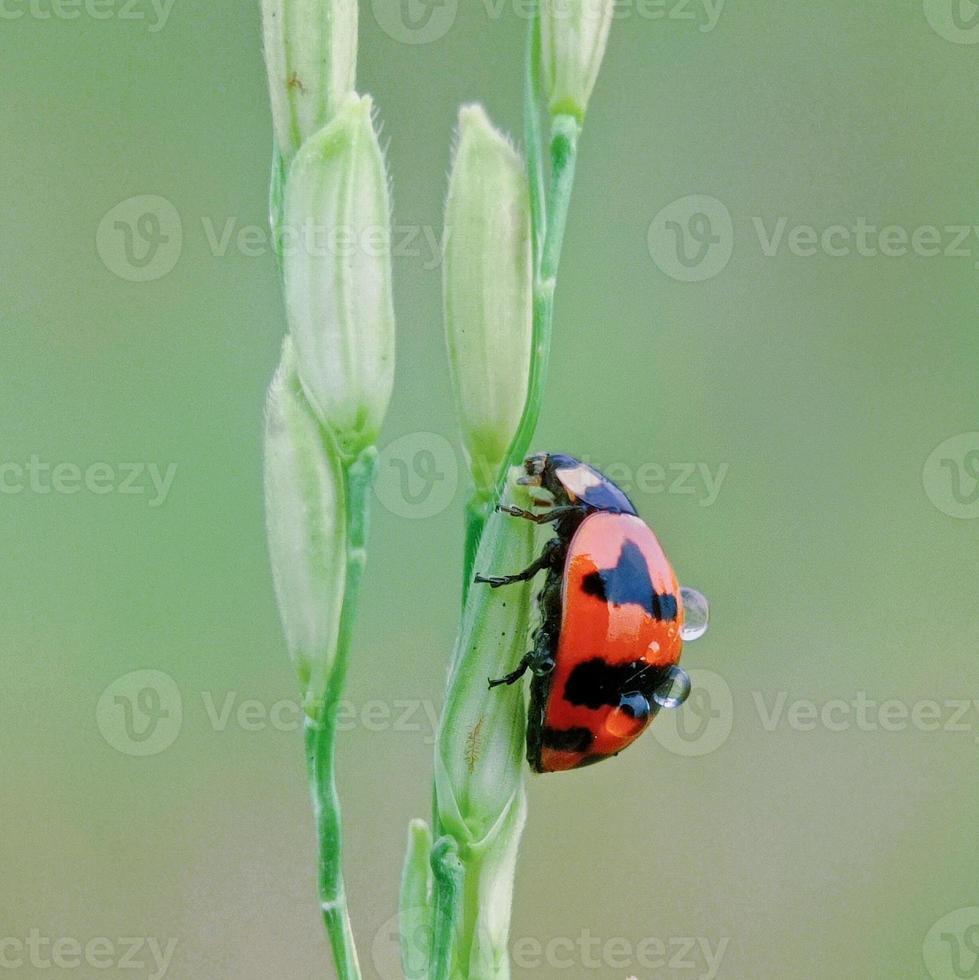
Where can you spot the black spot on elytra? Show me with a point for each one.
(567, 739)
(629, 582)
(596, 683)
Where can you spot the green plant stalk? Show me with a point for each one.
(457, 912)
(480, 799)
(358, 474)
(477, 510)
(448, 882)
(415, 920)
(548, 225)
(277, 186)
(481, 883)
(564, 154)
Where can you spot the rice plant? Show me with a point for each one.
(326, 406)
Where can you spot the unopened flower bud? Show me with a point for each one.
(305, 515)
(311, 56)
(336, 245)
(573, 35)
(488, 290)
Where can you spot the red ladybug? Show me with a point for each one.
(612, 621)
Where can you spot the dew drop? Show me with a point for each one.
(635, 704)
(674, 690)
(630, 717)
(696, 614)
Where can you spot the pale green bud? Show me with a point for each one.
(311, 57)
(488, 290)
(573, 35)
(305, 516)
(336, 257)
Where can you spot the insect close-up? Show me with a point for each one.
(489, 490)
(613, 620)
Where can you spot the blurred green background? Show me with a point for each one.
(787, 834)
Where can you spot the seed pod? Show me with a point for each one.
(488, 290)
(311, 57)
(573, 35)
(336, 255)
(305, 516)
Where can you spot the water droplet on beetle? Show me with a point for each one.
(696, 614)
(635, 704)
(674, 690)
(630, 717)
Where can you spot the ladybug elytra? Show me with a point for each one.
(605, 656)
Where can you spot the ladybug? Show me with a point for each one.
(605, 656)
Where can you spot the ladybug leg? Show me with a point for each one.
(549, 557)
(554, 514)
(539, 661)
(514, 675)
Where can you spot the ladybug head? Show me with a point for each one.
(570, 481)
(565, 477)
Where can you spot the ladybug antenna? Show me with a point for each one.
(674, 690)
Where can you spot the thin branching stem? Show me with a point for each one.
(321, 734)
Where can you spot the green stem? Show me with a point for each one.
(564, 154)
(415, 902)
(321, 734)
(548, 224)
(449, 874)
(277, 187)
(456, 900)
(477, 510)
(532, 138)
